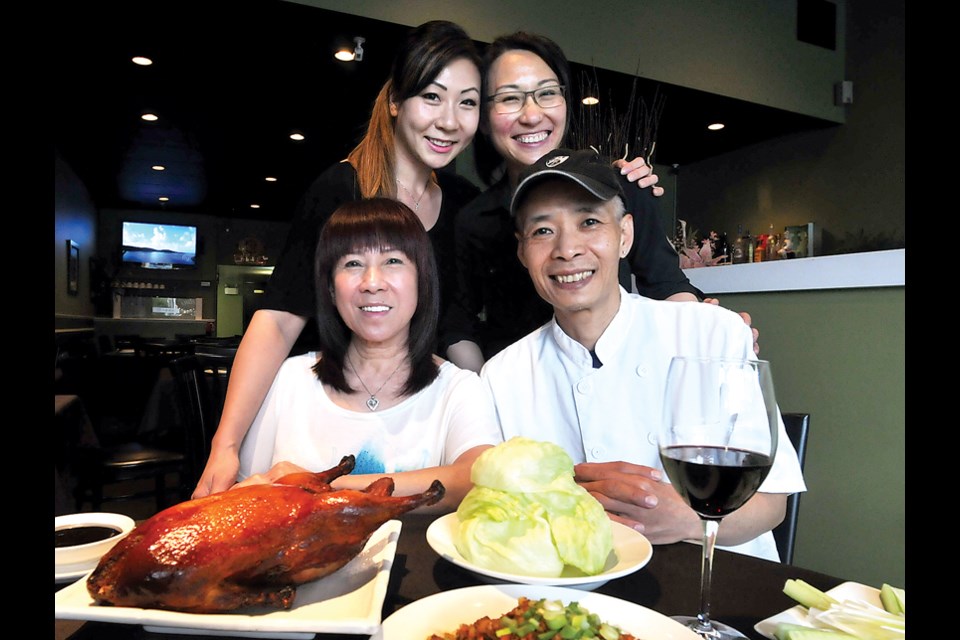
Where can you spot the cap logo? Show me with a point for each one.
(552, 162)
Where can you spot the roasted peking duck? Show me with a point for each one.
(247, 547)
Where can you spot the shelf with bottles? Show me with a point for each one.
(167, 288)
(747, 248)
(135, 286)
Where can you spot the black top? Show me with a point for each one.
(292, 286)
(495, 303)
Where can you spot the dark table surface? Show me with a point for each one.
(746, 590)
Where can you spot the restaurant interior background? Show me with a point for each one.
(837, 353)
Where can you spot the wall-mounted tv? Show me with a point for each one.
(153, 245)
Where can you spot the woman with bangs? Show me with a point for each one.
(424, 420)
(426, 114)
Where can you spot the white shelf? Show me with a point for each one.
(845, 271)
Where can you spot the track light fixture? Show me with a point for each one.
(356, 55)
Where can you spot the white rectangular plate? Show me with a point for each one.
(347, 601)
(798, 615)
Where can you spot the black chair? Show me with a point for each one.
(785, 533)
(113, 392)
(201, 384)
(98, 467)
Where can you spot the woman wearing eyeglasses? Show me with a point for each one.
(526, 83)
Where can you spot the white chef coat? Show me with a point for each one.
(545, 387)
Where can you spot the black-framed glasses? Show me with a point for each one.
(512, 101)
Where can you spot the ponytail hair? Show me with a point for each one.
(424, 53)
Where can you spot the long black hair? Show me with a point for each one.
(376, 223)
(486, 157)
(424, 53)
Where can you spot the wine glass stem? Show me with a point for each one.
(704, 627)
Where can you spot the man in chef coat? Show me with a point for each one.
(592, 378)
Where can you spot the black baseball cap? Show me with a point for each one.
(587, 168)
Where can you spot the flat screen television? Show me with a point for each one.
(152, 245)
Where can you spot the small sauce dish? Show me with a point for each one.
(81, 539)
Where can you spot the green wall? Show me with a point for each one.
(840, 356)
(744, 49)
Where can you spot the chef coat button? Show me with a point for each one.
(642, 371)
(596, 453)
(651, 437)
(583, 386)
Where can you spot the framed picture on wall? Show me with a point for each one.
(73, 268)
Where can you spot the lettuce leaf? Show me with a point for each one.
(527, 515)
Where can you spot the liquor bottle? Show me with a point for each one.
(760, 249)
(748, 244)
(722, 248)
(772, 245)
(738, 248)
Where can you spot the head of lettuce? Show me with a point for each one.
(526, 515)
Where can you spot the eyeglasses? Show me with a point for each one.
(512, 101)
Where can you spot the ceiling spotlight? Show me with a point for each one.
(158, 167)
(716, 126)
(347, 55)
(163, 198)
(149, 117)
(270, 179)
(296, 135)
(254, 206)
(142, 61)
(590, 101)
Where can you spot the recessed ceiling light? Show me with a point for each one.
(158, 167)
(254, 206)
(716, 126)
(150, 117)
(163, 198)
(590, 100)
(270, 179)
(296, 135)
(346, 55)
(143, 61)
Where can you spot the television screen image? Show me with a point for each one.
(159, 246)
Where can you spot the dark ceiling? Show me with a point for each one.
(231, 80)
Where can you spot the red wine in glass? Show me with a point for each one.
(717, 442)
(712, 480)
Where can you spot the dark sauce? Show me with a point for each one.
(84, 534)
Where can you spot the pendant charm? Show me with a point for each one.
(372, 403)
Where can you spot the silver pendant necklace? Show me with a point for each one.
(416, 201)
(372, 402)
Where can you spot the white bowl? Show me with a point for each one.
(83, 557)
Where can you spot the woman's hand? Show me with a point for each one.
(637, 170)
(219, 474)
(270, 476)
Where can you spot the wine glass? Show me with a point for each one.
(717, 442)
